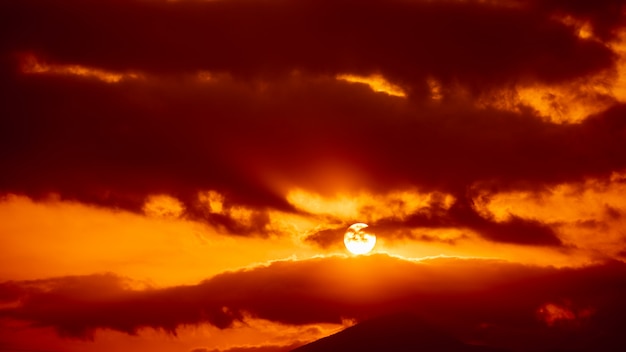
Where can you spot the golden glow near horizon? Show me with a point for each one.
(376, 82)
(78, 239)
(163, 244)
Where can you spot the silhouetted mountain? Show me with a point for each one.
(401, 332)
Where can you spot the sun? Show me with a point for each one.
(358, 241)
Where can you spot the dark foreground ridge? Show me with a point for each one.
(401, 332)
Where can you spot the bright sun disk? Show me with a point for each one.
(358, 241)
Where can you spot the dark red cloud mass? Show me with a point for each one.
(273, 116)
(493, 302)
(405, 40)
(115, 144)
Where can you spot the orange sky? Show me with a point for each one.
(179, 175)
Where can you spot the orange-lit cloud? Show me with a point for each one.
(572, 102)
(367, 207)
(163, 206)
(578, 210)
(376, 82)
(31, 64)
(554, 314)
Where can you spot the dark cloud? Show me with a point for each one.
(605, 16)
(461, 215)
(461, 295)
(612, 213)
(115, 144)
(274, 117)
(514, 230)
(188, 136)
(408, 41)
(327, 238)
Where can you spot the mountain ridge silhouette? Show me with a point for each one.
(398, 332)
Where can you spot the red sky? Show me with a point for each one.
(179, 175)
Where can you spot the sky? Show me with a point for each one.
(179, 175)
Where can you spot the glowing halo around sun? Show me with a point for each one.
(358, 241)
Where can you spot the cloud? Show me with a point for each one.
(460, 294)
(462, 215)
(92, 141)
(112, 146)
(514, 230)
(448, 40)
(200, 116)
(604, 16)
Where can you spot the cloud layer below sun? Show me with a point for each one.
(496, 302)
